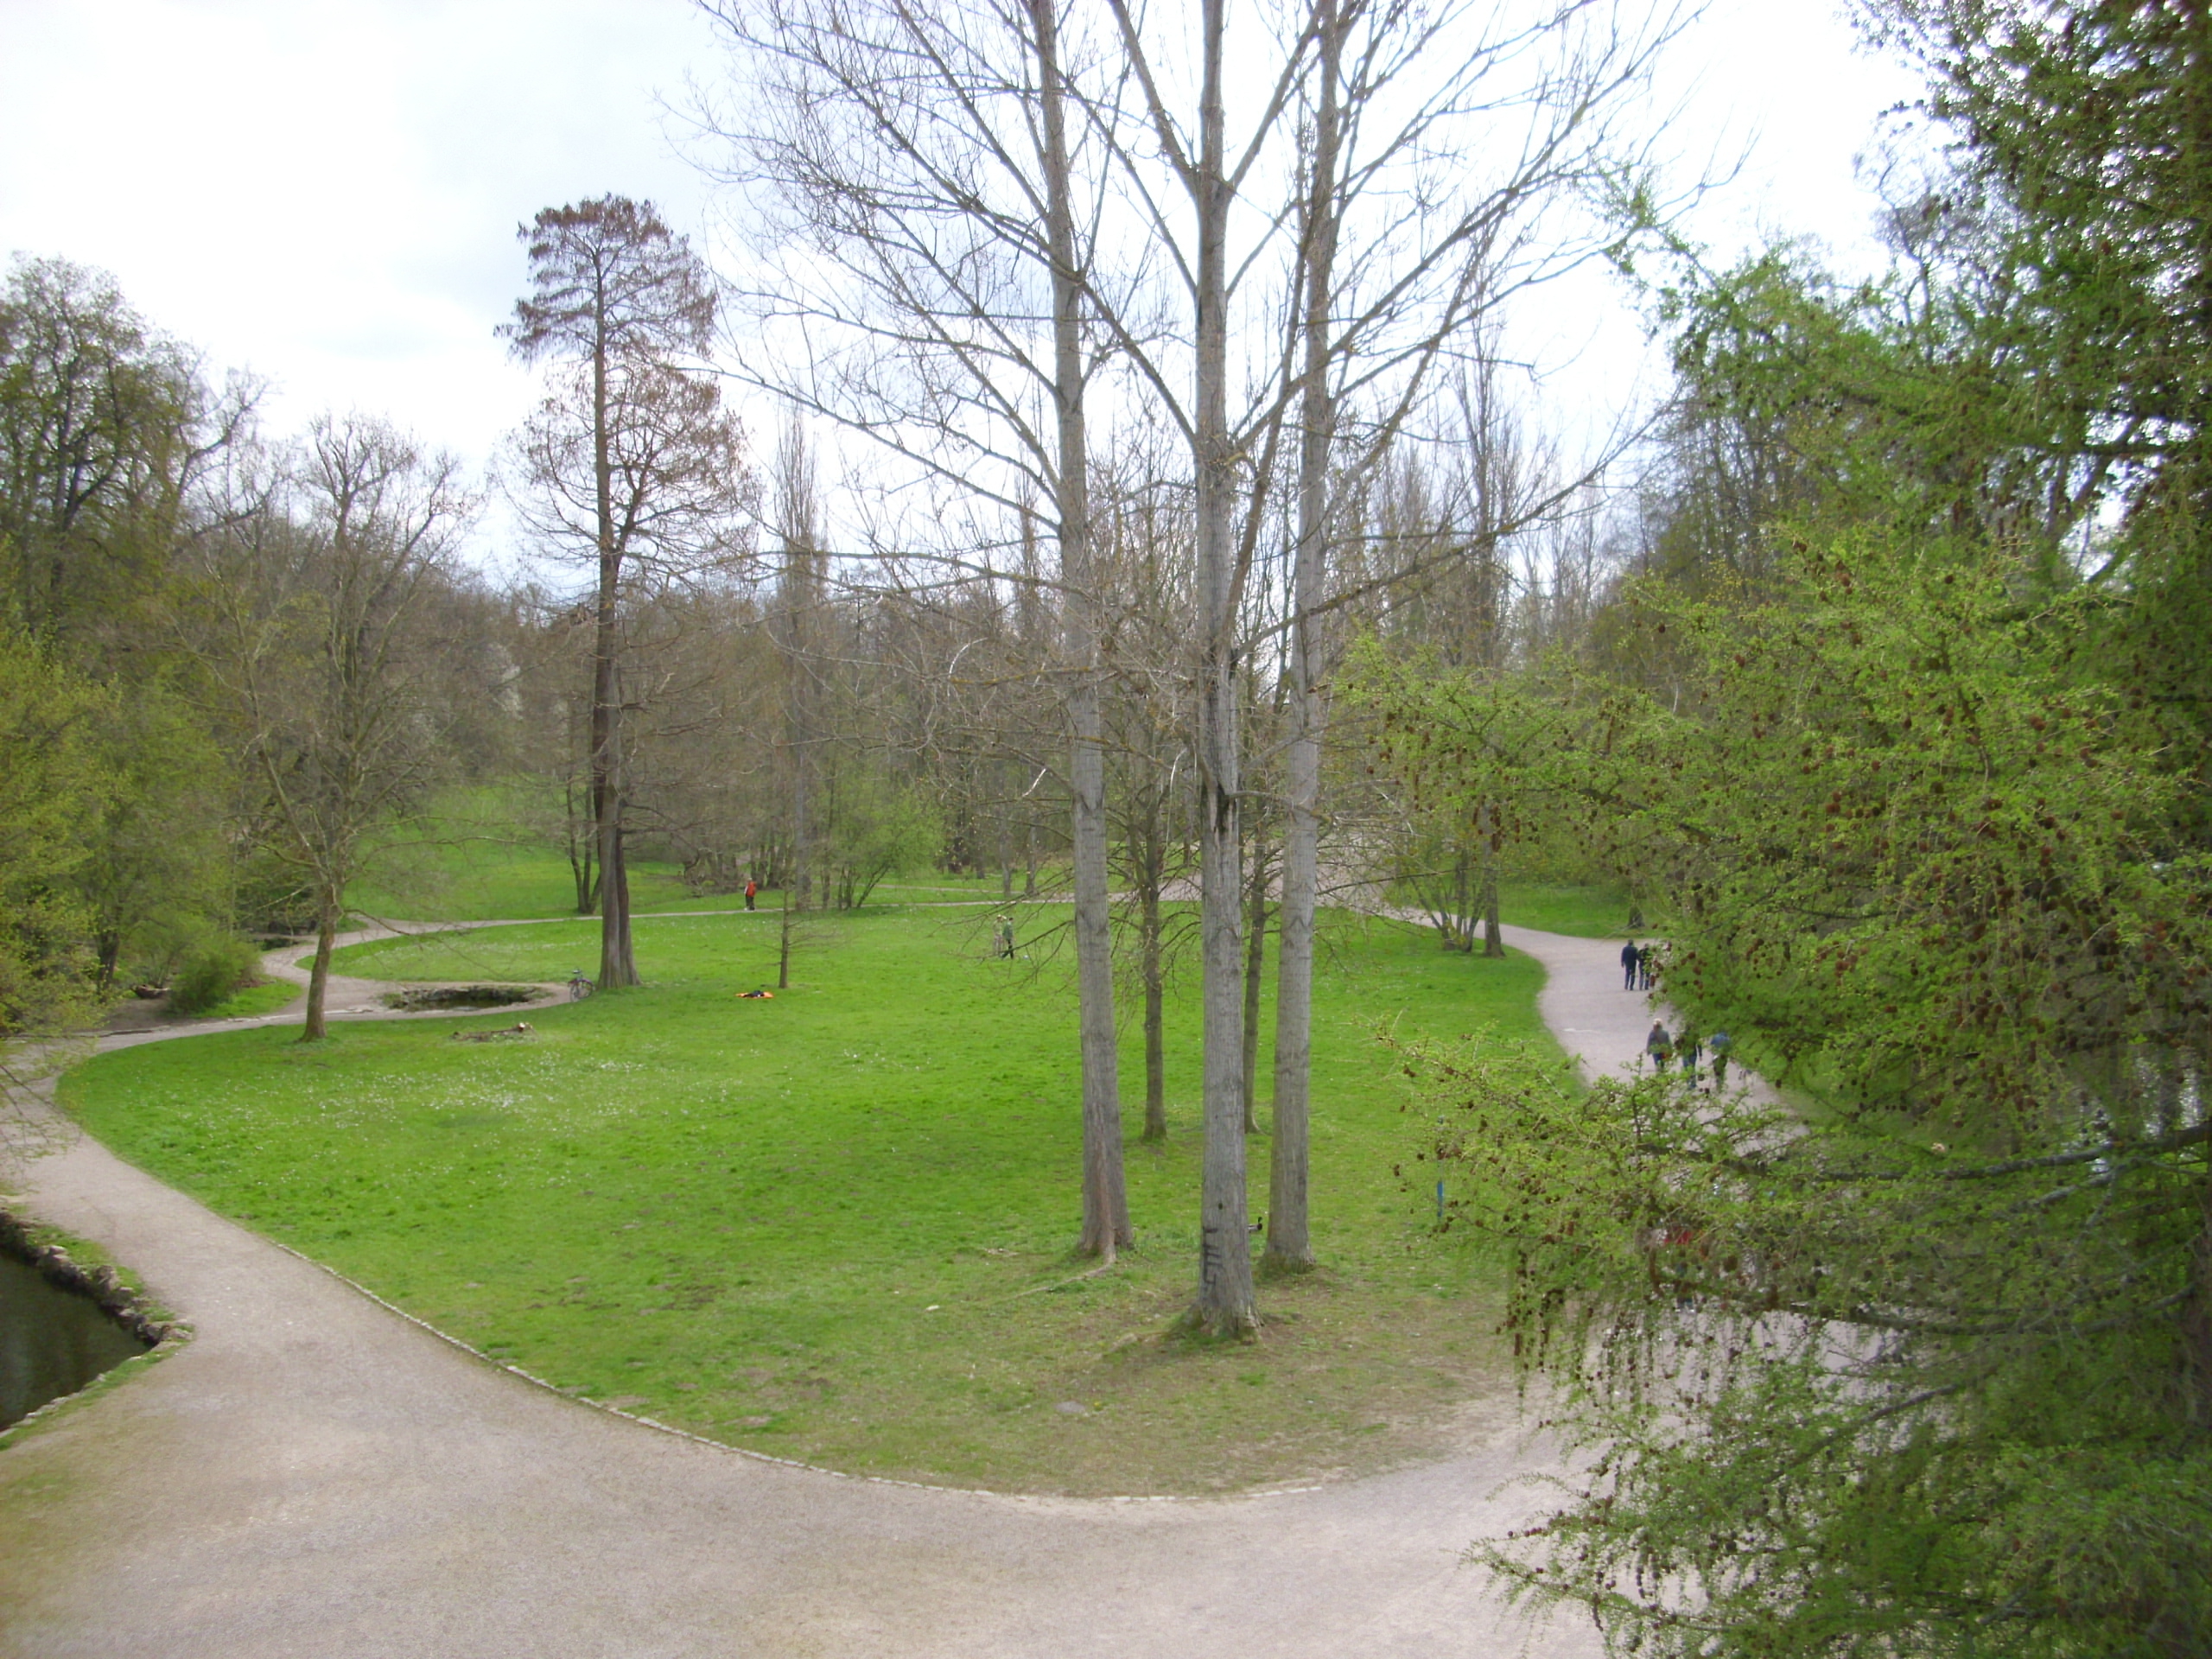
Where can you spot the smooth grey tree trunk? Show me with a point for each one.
(1155, 1045)
(1224, 1305)
(1105, 1198)
(1256, 962)
(1290, 1246)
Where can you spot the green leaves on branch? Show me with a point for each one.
(1908, 1367)
(1844, 1390)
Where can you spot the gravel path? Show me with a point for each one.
(314, 1475)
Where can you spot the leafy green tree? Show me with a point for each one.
(877, 827)
(155, 873)
(51, 783)
(106, 427)
(1918, 1365)
(1905, 714)
(108, 432)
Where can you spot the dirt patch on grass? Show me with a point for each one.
(1347, 1376)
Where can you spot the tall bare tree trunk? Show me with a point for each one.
(802, 889)
(583, 856)
(1224, 1305)
(618, 963)
(1463, 904)
(1256, 962)
(800, 586)
(1105, 1198)
(1290, 1245)
(1155, 1046)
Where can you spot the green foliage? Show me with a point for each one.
(1906, 717)
(835, 1225)
(51, 785)
(157, 871)
(103, 423)
(1910, 1368)
(1860, 1393)
(877, 828)
(213, 971)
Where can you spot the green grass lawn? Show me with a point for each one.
(834, 1225)
(1584, 910)
(486, 880)
(270, 996)
(469, 860)
(482, 880)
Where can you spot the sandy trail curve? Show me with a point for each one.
(314, 1476)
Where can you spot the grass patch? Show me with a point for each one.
(485, 880)
(270, 996)
(834, 1225)
(492, 853)
(1582, 910)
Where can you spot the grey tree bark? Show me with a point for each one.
(1105, 1198)
(1225, 1305)
(1255, 963)
(1290, 1245)
(800, 592)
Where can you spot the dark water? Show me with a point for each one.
(52, 1341)
(425, 998)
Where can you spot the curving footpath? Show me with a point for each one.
(314, 1475)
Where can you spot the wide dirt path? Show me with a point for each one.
(313, 1475)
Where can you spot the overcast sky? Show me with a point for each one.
(326, 194)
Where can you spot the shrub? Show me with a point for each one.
(211, 972)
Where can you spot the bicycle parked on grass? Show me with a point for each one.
(580, 985)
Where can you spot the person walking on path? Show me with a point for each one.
(1648, 968)
(1690, 1047)
(1631, 959)
(1720, 1043)
(751, 889)
(1659, 1046)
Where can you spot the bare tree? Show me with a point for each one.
(631, 458)
(325, 638)
(969, 173)
(1392, 108)
(801, 590)
(926, 156)
(1142, 561)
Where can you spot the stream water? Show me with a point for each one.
(52, 1341)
